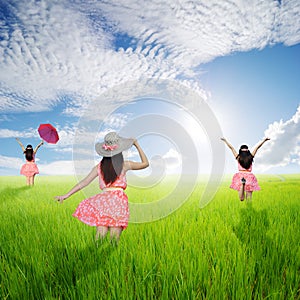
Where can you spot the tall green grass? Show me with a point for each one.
(227, 250)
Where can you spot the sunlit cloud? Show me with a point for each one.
(284, 146)
(172, 159)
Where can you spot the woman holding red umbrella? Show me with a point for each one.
(29, 169)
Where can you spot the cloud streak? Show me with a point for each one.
(8, 133)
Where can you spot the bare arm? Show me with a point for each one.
(38, 146)
(230, 147)
(258, 146)
(19, 142)
(83, 183)
(132, 165)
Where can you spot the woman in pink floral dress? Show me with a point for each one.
(108, 211)
(244, 180)
(30, 168)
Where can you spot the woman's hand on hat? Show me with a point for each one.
(136, 144)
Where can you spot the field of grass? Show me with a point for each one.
(227, 250)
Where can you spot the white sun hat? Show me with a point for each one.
(113, 144)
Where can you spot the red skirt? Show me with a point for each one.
(251, 182)
(109, 209)
(29, 169)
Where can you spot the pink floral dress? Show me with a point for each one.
(109, 208)
(29, 168)
(251, 181)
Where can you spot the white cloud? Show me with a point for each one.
(116, 121)
(195, 32)
(288, 22)
(172, 161)
(11, 162)
(284, 146)
(8, 133)
(131, 153)
(57, 168)
(50, 48)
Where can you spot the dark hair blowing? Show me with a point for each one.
(245, 158)
(28, 153)
(111, 167)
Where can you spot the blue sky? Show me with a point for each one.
(59, 59)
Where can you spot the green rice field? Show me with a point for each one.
(227, 250)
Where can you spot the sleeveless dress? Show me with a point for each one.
(109, 208)
(251, 181)
(29, 168)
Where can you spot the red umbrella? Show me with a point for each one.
(48, 133)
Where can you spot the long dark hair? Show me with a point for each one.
(245, 158)
(29, 153)
(111, 167)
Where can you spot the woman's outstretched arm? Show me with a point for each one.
(19, 142)
(259, 145)
(230, 147)
(132, 165)
(38, 146)
(80, 185)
